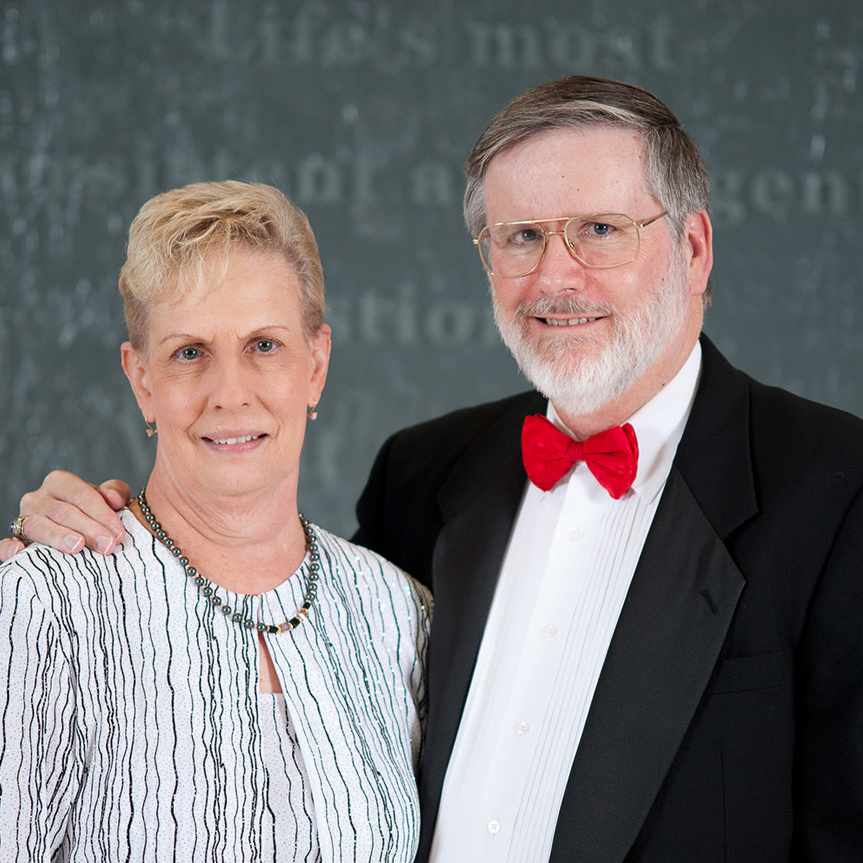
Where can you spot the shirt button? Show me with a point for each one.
(493, 827)
(548, 631)
(521, 728)
(576, 535)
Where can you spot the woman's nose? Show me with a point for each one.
(230, 384)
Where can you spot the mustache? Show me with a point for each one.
(573, 307)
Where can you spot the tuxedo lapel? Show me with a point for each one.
(671, 629)
(665, 646)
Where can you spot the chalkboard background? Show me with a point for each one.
(363, 113)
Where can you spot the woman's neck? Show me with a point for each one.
(248, 543)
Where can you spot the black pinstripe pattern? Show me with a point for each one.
(133, 729)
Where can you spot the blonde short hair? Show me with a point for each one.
(175, 232)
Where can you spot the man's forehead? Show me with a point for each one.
(590, 168)
(568, 142)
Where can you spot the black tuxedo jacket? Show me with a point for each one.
(727, 724)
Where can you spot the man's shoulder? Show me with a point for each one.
(812, 435)
(444, 438)
(398, 512)
(777, 413)
(788, 444)
(769, 407)
(784, 403)
(467, 422)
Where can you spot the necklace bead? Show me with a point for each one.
(206, 588)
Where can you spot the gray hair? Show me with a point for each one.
(675, 172)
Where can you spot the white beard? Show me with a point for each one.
(577, 384)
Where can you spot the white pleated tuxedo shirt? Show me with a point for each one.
(132, 727)
(570, 559)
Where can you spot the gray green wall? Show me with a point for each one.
(364, 112)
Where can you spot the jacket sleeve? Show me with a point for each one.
(397, 511)
(371, 506)
(39, 775)
(830, 739)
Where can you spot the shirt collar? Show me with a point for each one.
(659, 426)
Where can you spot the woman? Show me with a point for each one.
(234, 683)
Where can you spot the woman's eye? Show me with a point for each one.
(189, 353)
(265, 346)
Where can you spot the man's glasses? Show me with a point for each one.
(600, 241)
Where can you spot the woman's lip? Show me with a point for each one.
(234, 440)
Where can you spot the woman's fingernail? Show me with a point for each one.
(73, 542)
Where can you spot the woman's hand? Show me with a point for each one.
(68, 513)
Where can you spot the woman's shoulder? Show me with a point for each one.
(358, 561)
(45, 568)
(47, 573)
(43, 588)
(345, 551)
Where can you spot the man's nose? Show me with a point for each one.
(560, 270)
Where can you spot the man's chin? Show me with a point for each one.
(574, 388)
(559, 359)
(578, 382)
(577, 399)
(569, 352)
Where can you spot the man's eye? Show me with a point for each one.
(525, 237)
(600, 229)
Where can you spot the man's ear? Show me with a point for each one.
(698, 238)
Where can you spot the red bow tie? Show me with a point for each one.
(548, 453)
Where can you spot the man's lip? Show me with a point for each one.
(569, 322)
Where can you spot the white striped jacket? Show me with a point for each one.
(132, 726)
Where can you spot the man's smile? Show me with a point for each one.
(567, 322)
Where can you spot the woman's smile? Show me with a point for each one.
(235, 443)
(235, 439)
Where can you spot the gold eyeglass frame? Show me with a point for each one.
(570, 247)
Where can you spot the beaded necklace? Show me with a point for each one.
(207, 590)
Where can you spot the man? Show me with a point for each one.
(667, 670)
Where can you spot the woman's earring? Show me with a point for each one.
(311, 413)
(151, 428)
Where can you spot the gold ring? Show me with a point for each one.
(16, 528)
